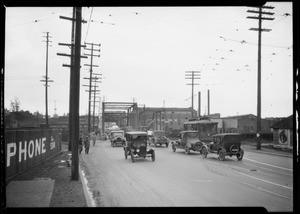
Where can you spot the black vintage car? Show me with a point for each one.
(226, 144)
(137, 146)
(189, 140)
(159, 138)
(117, 138)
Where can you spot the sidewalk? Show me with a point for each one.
(48, 184)
(267, 149)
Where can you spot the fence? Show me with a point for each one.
(25, 148)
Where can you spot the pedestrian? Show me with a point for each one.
(94, 138)
(87, 144)
(80, 145)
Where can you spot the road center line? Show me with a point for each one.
(269, 164)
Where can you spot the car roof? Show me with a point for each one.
(192, 131)
(137, 133)
(226, 134)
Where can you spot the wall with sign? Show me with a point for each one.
(25, 148)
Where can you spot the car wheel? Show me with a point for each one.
(132, 157)
(187, 150)
(240, 156)
(204, 152)
(125, 154)
(153, 156)
(173, 148)
(221, 155)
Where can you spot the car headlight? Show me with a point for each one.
(137, 150)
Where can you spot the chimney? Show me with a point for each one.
(208, 102)
(199, 104)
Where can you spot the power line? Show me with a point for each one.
(88, 24)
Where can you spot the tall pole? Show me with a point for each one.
(71, 71)
(192, 75)
(75, 97)
(260, 30)
(46, 80)
(199, 104)
(259, 83)
(90, 91)
(208, 103)
(90, 85)
(46, 90)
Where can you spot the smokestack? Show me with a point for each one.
(208, 102)
(199, 104)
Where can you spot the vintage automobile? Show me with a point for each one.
(117, 138)
(159, 138)
(137, 146)
(226, 144)
(189, 140)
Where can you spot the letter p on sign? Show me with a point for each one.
(13, 147)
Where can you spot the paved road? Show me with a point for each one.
(176, 179)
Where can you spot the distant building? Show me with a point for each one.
(283, 133)
(164, 118)
(247, 124)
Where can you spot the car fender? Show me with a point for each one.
(206, 147)
(241, 151)
(224, 150)
(174, 143)
(188, 145)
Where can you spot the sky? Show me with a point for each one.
(145, 53)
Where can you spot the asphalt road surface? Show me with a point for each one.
(175, 179)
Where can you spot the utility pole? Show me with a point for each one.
(260, 30)
(199, 104)
(71, 66)
(47, 79)
(74, 89)
(208, 103)
(192, 75)
(92, 79)
(91, 70)
(75, 96)
(94, 101)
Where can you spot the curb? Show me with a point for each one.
(85, 190)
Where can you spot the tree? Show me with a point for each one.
(15, 105)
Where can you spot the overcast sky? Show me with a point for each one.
(145, 52)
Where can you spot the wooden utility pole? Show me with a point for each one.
(94, 101)
(199, 104)
(92, 80)
(260, 30)
(71, 66)
(90, 85)
(47, 80)
(208, 103)
(75, 97)
(192, 75)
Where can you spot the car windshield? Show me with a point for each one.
(138, 140)
(159, 134)
(117, 134)
(207, 130)
(191, 135)
(139, 137)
